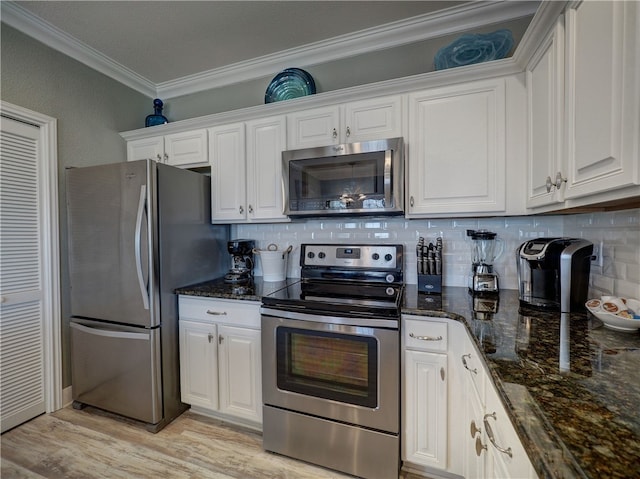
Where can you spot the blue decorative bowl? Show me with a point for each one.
(474, 48)
(288, 84)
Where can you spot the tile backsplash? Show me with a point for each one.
(616, 236)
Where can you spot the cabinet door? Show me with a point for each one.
(456, 161)
(240, 373)
(146, 149)
(228, 173)
(198, 364)
(425, 416)
(187, 148)
(602, 97)
(374, 119)
(506, 456)
(545, 107)
(316, 127)
(266, 138)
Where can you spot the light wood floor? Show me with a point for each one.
(91, 444)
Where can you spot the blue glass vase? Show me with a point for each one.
(157, 118)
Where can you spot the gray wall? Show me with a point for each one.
(397, 62)
(91, 110)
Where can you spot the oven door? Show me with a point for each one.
(336, 371)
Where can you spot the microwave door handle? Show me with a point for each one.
(387, 178)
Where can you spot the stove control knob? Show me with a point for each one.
(389, 278)
(375, 256)
(388, 257)
(321, 255)
(311, 255)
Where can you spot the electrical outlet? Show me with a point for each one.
(598, 253)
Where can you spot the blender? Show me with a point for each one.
(483, 278)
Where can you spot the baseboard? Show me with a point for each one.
(67, 396)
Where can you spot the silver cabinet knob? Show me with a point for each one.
(334, 134)
(411, 202)
(348, 132)
(473, 429)
(241, 210)
(549, 184)
(480, 447)
(250, 209)
(559, 180)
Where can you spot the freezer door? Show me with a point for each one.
(109, 242)
(117, 369)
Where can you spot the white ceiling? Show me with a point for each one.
(179, 46)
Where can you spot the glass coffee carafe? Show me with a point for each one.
(486, 249)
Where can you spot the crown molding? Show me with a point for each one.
(403, 32)
(32, 25)
(419, 28)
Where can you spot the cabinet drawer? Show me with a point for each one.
(223, 311)
(425, 334)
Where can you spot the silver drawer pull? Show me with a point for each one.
(487, 428)
(426, 338)
(216, 313)
(466, 366)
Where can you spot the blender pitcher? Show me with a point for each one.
(486, 249)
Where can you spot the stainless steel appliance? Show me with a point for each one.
(241, 251)
(355, 178)
(331, 360)
(553, 273)
(486, 249)
(137, 230)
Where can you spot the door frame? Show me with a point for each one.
(48, 186)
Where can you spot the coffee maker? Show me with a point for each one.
(483, 278)
(241, 251)
(553, 273)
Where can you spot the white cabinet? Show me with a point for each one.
(424, 378)
(457, 140)
(545, 110)
(220, 364)
(246, 171)
(198, 364)
(372, 119)
(488, 444)
(146, 149)
(602, 97)
(185, 149)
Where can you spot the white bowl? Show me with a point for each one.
(616, 321)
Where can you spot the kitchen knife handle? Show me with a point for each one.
(137, 246)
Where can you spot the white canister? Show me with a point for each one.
(274, 262)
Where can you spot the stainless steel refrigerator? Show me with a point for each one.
(137, 231)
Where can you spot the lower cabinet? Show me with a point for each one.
(220, 367)
(453, 420)
(489, 445)
(424, 387)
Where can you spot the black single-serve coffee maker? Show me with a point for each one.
(553, 273)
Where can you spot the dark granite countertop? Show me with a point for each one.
(575, 407)
(571, 386)
(251, 291)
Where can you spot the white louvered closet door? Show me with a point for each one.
(22, 368)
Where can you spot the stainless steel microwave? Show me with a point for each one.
(364, 178)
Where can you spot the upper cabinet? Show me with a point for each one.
(545, 114)
(583, 108)
(602, 97)
(246, 171)
(456, 156)
(185, 149)
(372, 119)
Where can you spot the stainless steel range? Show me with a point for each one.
(331, 360)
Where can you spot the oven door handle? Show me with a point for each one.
(318, 318)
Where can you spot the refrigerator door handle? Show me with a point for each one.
(110, 334)
(137, 246)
